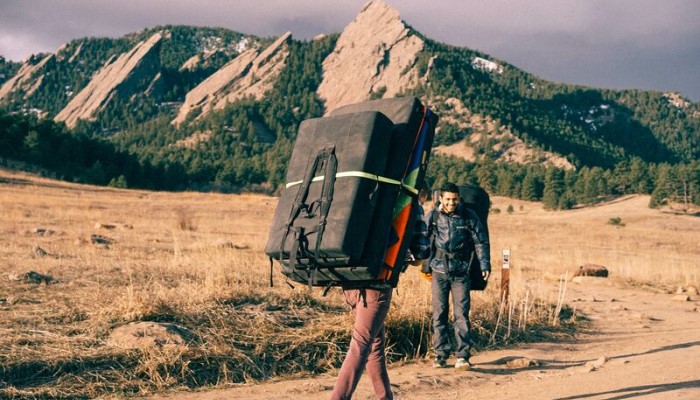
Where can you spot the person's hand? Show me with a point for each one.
(486, 275)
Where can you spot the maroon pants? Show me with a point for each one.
(370, 308)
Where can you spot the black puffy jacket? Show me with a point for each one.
(457, 238)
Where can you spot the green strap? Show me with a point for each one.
(360, 174)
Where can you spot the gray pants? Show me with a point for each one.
(442, 285)
(370, 308)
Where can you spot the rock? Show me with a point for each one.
(522, 363)
(108, 81)
(691, 290)
(105, 226)
(31, 277)
(251, 73)
(681, 297)
(591, 270)
(596, 364)
(39, 252)
(375, 54)
(41, 231)
(25, 80)
(148, 333)
(102, 240)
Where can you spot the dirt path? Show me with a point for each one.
(643, 346)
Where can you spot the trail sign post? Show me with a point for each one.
(505, 276)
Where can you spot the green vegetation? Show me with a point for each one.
(559, 189)
(592, 127)
(7, 69)
(78, 158)
(616, 221)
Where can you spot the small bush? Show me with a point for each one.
(617, 221)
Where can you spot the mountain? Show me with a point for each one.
(118, 77)
(252, 73)
(375, 54)
(223, 107)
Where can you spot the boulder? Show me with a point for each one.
(147, 333)
(101, 240)
(590, 270)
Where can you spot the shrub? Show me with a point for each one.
(617, 221)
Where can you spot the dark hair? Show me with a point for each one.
(449, 187)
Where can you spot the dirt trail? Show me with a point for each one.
(643, 345)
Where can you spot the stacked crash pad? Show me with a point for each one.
(346, 214)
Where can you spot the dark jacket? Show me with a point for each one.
(457, 238)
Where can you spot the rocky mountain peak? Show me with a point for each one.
(373, 55)
(252, 73)
(27, 79)
(113, 76)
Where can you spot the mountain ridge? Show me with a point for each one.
(491, 111)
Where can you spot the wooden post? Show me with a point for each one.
(505, 276)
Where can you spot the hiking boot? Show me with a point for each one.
(439, 362)
(463, 364)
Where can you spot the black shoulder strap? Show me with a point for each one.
(433, 220)
(431, 230)
(325, 157)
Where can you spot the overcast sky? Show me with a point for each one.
(617, 44)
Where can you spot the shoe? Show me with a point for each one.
(439, 362)
(463, 364)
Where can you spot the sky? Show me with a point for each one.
(614, 44)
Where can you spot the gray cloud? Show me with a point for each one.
(645, 44)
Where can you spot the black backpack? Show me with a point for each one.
(476, 199)
(346, 215)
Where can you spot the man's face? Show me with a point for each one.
(449, 201)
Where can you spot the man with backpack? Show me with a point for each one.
(457, 236)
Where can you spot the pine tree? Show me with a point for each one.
(639, 177)
(529, 187)
(553, 188)
(663, 186)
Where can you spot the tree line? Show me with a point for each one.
(561, 189)
(78, 158)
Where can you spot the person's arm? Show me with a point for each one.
(481, 244)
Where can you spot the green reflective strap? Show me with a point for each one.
(360, 174)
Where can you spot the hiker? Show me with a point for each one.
(456, 236)
(422, 196)
(370, 307)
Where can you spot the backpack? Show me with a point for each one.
(476, 199)
(345, 217)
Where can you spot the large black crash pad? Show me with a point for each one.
(343, 181)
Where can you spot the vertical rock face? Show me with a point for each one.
(115, 76)
(374, 54)
(252, 73)
(27, 79)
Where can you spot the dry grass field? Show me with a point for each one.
(194, 263)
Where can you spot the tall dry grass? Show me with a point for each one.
(196, 260)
